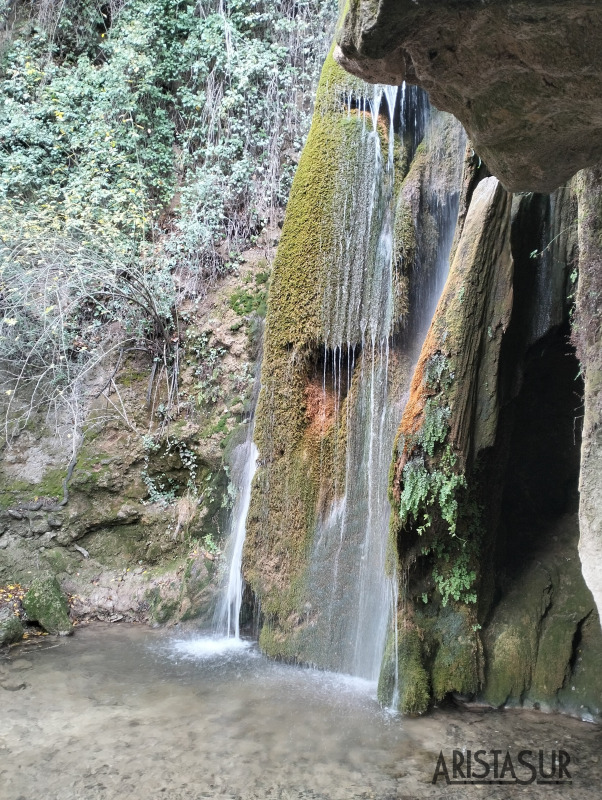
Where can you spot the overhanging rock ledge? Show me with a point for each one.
(524, 78)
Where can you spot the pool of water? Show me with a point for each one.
(128, 712)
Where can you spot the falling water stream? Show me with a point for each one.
(227, 617)
(124, 711)
(367, 369)
(351, 596)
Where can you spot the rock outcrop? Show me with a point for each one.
(492, 603)
(488, 462)
(132, 524)
(11, 630)
(524, 78)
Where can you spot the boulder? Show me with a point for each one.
(46, 604)
(11, 630)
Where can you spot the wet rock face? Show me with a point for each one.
(524, 78)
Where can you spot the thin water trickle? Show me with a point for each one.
(227, 618)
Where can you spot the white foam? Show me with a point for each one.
(210, 646)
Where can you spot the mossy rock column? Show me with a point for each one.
(283, 502)
(45, 604)
(298, 430)
(588, 334)
(450, 416)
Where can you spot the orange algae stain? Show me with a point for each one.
(320, 408)
(413, 415)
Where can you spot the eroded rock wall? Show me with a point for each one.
(588, 336)
(524, 79)
(129, 509)
(494, 602)
(340, 339)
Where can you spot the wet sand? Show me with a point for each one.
(127, 712)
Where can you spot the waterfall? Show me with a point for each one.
(366, 369)
(360, 267)
(347, 567)
(227, 615)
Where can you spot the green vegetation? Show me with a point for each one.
(426, 486)
(141, 141)
(207, 357)
(245, 302)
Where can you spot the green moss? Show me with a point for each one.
(303, 458)
(274, 644)
(553, 659)
(166, 567)
(413, 687)
(120, 545)
(404, 238)
(11, 630)
(386, 680)
(245, 302)
(283, 509)
(16, 491)
(60, 560)
(456, 664)
(510, 667)
(129, 377)
(51, 484)
(160, 609)
(294, 303)
(46, 604)
(511, 640)
(13, 491)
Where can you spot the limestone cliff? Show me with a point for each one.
(485, 515)
(524, 79)
(487, 522)
(347, 303)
